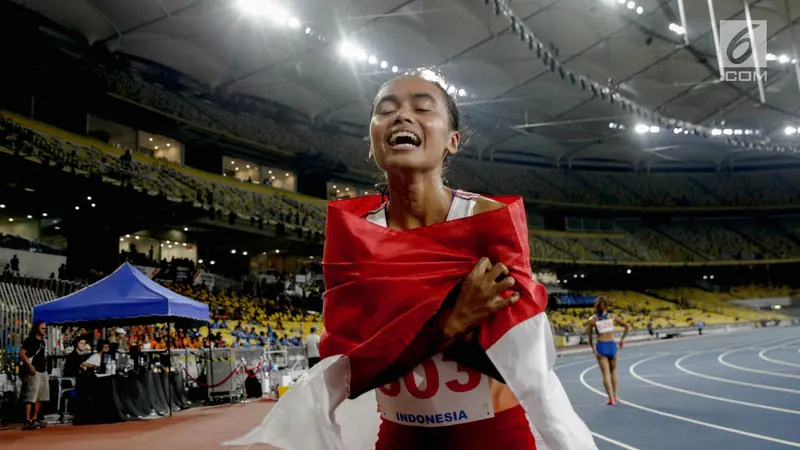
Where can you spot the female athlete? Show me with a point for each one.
(414, 129)
(442, 390)
(606, 348)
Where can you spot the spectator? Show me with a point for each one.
(312, 348)
(97, 361)
(73, 364)
(700, 326)
(36, 384)
(14, 263)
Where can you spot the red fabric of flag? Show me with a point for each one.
(383, 285)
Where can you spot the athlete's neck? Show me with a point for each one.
(417, 200)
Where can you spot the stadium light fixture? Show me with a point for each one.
(631, 5)
(185, 229)
(639, 10)
(136, 237)
(93, 205)
(654, 129)
(212, 262)
(199, 261)
(642, 128)
(789, 131)
(727, 132)
(783, 59)
(394, 69)
(77, 208)
(244, 253)
(716, 132)
(384, 64)
(89, 198)
(44, 214)
(127, 236)
(677, 29)
(233, 252)
(2, 206)
(277, 251)
(30, 216)
(628, 271)
(121, 239)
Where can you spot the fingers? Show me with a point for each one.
(503, 285)
(499, 302)
(497, 270)
(481, 267)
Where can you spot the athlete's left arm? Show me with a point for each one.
(622, 323)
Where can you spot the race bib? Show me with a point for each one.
(605, 326)
(437, 393)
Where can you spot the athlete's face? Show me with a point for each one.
(411, 126)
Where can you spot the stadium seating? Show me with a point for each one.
(55, 147)
(252, 120)
(687, 241)
(680, 307)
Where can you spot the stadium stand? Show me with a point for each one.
(252, 122)
(681, 241)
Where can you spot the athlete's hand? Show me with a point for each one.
(480, 297)
(620, 343)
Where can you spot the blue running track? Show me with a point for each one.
(737, 391)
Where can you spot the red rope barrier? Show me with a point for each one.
(209, 385)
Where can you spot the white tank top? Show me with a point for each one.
(463, 206)
(437, 393)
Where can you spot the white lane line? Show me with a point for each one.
(632, 371)
(721, 360)
(763, 355)
(688, 419)
(727, 380)
(613, 441)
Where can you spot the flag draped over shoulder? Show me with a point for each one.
(382, 286)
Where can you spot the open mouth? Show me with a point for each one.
(404, 140)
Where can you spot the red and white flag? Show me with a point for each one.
(382, 286)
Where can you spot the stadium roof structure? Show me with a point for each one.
(523, 70)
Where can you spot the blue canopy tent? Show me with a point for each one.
(127, 296)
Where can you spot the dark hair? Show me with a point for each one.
(77, 341)
(35, 328)
(453, 112)
(101, 343)
(313, 330)
(600, 305)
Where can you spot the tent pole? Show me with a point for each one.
(169, 366)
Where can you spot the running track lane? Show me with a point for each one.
(668, 419)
